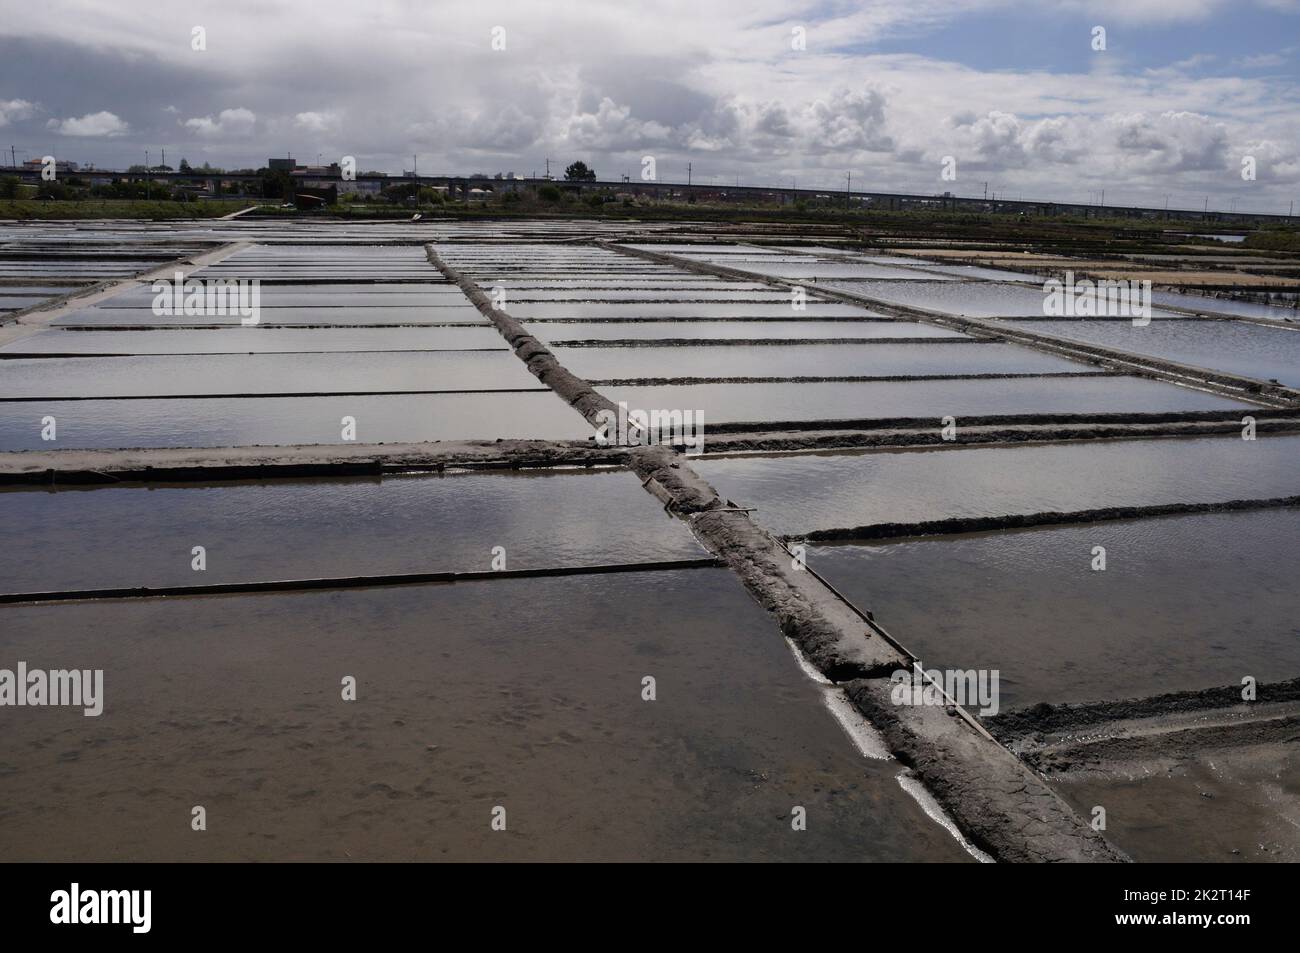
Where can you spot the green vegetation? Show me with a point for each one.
(861, 223)
(578, 172)
(25, 209)
(1275, 238)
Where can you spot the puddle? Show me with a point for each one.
(1223, 805)
(524, 694)
(1185, 602)
(801, 493)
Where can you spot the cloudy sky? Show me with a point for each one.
(1012, 90)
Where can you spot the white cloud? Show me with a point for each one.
(611, 82)
(229, 124)
(12, 110)
(102, 123)
(315, 121)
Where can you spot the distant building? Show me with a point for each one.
(60, 165)
(321, 176)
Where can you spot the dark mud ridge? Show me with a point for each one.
(346, 582)
(1046, 719)
(838, 379)
(994, 420)
(774, 438)
(205, 465)
(980, 524)
(755, 342)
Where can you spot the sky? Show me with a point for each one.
(1152, 101)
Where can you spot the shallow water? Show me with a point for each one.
(73, 539)
(730, 311)
(258, 340)
(840, 401)
(216, 374)
(587, 295)
(144, 317)
(809, 360)
(982, 274)
(813, 269)
(970, 299)
(343, 297)
(801, 493)
(1236, 347)
(524, 694)
(1184, 603)
(223, 422)
(556, 331)
(1207, 305)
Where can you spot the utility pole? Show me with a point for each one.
(13, 159)
(688, 175)
(848, 187)
(548, 167)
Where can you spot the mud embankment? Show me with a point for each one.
(20, 324)
(1044, 719)
(995, 799)
(984, 524)
(837, 379)
(1107, 737)
(1002, 806)
(201, 465)
(541, 363)
(774, 438)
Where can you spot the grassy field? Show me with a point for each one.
(27, 209)
(1090, 235)
(1275, 239)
